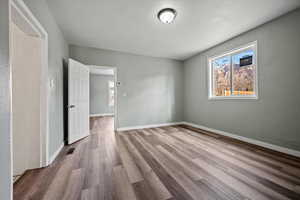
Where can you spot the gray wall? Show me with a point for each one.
(5, 172)
(151, 88)
(99, 94)
(275, 117)
(58, 50)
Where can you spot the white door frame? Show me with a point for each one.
(19, 8)
(115, 69)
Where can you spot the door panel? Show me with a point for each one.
(78, 106)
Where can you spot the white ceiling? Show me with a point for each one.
(101, 70)
(132, 26)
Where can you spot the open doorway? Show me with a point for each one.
(103, 94)
(29, 72)
(86, 99)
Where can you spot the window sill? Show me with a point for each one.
(234, 98)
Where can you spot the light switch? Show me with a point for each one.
(51, 83)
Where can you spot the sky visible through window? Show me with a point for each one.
(235, 58)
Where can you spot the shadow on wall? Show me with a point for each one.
(65, 99)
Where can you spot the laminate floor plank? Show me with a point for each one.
(132, 170)
(257, 150)
(166, 163)
(123, 187)
(189, 186)
(57, 188)
(151, 178)
(271, 166)
(227, 163)
(171, 184)
(74, 186)
(142, 191)
(279, 178)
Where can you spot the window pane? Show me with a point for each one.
(243, 73)
(221, 76)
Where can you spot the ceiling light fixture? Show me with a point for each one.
(167, 15)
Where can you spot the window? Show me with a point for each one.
(234, 74)
(111, 93)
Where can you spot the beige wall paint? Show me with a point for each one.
(26, 64)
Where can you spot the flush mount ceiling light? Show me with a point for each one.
(167, 15)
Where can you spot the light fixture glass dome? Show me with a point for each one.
(167, 15)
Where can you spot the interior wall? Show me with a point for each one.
(151, 88)
(274, 117)
(57, 53)
(26, 74)
(99, 94)
(5, 97)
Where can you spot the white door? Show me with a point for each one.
(78, 105)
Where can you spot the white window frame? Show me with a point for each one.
(211, 96)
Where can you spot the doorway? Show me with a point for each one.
(29, 72)
(103, 93)
(95, 98)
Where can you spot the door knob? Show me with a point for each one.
(71, 106)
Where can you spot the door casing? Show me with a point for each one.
(17, 8)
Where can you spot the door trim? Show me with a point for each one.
(19, 7)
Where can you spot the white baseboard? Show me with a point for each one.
(148, 126)
(102, 115)
(248, 140)
(52, 158)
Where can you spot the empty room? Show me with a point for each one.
(149, 100)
